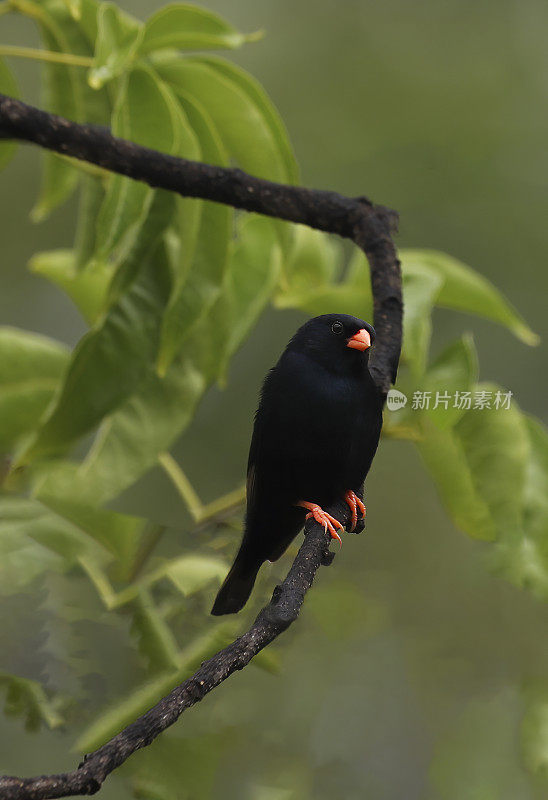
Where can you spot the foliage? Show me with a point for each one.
(170, 288)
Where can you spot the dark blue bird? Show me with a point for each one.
(316, 432)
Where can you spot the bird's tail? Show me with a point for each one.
(235, 591)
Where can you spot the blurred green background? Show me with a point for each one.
(403, 677)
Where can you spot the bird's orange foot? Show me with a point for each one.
(323, 518)
(356, 506)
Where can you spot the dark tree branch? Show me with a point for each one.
(370, 227)
(355, 218)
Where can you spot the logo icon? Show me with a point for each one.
(395, 400)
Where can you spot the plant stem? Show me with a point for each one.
(183, 485)
(43, 55)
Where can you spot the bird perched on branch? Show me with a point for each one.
(316, 432)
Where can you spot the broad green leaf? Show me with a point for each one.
(87, 287)
(253, 273)
(66, 93)
(31, 369)
(464, 289)
(22, 559)
(143, 697)
(192, 573)
(182, 26)
(496, 445)
(28, 699)
(92, 194)
(454, 370)
(109, 362)
(524, 560)
(536, 483)
(118, 533)
(87, 22)
(445, 459)
(156, 641)
(350, 296)
(253, 89)
(312, 261)
(164, 127)
(8, 86)
(151, 419)
(247, 131)
(118, 39)
(75, 8)
(131, 439)
(479, 468)
(31, 521)
(62, 95)
(201, 263)
(151, 229)
(420, 289)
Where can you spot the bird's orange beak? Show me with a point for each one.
(360, 341)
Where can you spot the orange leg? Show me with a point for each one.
(329, 523)
(355, 505)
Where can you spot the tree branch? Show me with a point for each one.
(370, 227)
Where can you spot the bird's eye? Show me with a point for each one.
(337, 328)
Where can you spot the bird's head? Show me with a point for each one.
(338, 341)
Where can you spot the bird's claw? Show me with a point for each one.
(356, 505)
(329, 523)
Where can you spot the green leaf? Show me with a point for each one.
(118, 533)
(524, 560)
(186, 27)
(253, 273)
(479, 468)
(31, 521)
(22, 558)
(313, 261)
(75, 8)
(27, 698)
(92, 194)
(536, 482)
(131, 439)
(108, 364)
(420, 289)
(8, 86)
(31, 368)
(87, 288)
(62, 95)
(201, 263)
(151, 419)
(118, 39)
(445, 458)
(252, 277)
(66, 93)
(164, 127)
(192, 573)
(464, 289)
(247, 130)
(255, 92)
(351, 296)
(454, 370)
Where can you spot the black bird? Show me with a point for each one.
(316, 432)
